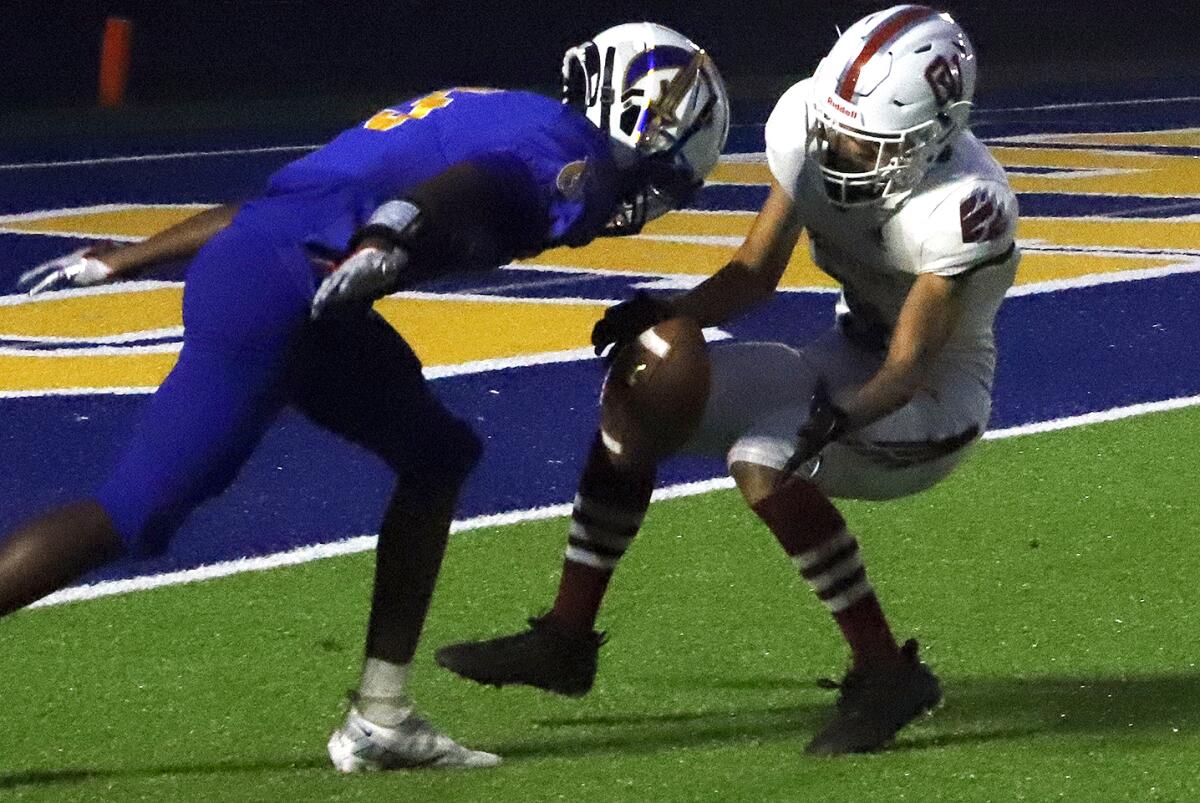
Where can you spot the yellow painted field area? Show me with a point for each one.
(1082, 171)
(1170, 138)
(93, 316)
(132, 221)
(453, 331)
(441, 332)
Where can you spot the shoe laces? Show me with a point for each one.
(860, 678)
(599, 637)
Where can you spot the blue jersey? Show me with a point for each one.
(553, 159)
(250, 346)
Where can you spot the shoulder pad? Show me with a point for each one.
(956, 226)
(787, 135)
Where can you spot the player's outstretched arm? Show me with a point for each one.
(180, 241)
(745, 281)
(930, 312)
(101, 263)
(755, 270)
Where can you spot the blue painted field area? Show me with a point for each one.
(1079, 348)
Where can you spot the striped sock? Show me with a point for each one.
(608, 511)
(813, 534)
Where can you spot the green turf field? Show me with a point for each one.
(1052, 582)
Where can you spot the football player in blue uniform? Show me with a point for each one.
(457, 180)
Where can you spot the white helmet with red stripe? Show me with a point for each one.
(658, 95)
(892, 93)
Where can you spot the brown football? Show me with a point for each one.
(655, 392)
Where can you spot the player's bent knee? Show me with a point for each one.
(451, 454)
(465, 447)
(144, 533)
(148, 501)
(756, 482)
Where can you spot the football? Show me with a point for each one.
(655, 392)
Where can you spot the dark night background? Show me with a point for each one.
(258, 60)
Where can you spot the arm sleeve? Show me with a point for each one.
(786, 136)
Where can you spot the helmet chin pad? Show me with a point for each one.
(658, 184)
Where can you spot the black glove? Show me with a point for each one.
(625, 321)
(826, 423)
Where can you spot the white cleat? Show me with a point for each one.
(360, 746)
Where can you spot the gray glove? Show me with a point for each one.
(367, 274)
(77, 269)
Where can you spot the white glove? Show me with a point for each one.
(76, 269)
(367, 274)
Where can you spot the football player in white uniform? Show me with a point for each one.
(915, 219)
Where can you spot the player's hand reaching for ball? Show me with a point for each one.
(623, 322)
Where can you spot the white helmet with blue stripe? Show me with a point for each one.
(659, 95)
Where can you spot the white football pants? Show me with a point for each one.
(760, 397)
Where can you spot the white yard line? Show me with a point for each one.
(43, 214)
(1096, 279)
(1114, 414)
(125, 337)
(363, 543)
(1091, 104)
(155, 157)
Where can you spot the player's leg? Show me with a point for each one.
(609, 507)
(195, 432)
(906, 452)
(52, 551)
(558, 652)
(353, 374)
(814, 536)
(886, 686)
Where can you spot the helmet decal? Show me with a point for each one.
(656, 58)
(888, 30)
(945, 79)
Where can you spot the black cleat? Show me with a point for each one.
(875, 704)
(546, 656)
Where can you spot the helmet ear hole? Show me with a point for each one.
(629, 119)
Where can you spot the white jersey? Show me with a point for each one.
(959, 221)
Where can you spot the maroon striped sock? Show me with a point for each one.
(608, 511)
(813, 534)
